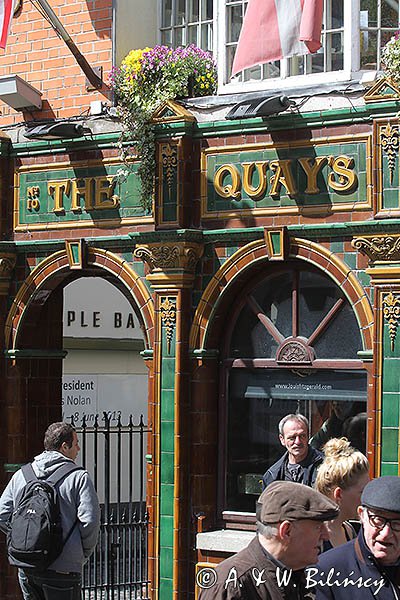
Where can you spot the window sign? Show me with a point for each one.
(119, 395)
(94, 308)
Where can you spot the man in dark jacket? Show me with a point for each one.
(290, 526)
(369, 566)
(300, 463)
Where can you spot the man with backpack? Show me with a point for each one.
(50, 512)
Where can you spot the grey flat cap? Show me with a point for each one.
(288, 501)
(382, 493)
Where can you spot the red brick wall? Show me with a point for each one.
(40, 57)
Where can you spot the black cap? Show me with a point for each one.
(382, 493)
(288, 501)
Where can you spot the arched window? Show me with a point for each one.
(292, 346)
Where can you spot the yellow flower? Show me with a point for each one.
(202, 78)
(202, 85)
(132, 61)
(209, 75)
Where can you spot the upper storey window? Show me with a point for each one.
(354, 33)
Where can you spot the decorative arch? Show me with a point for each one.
(46, 276)
(254, 253)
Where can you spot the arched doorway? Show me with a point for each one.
(36, 345)
(291, 345)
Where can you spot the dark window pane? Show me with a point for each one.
(257, 402)
(167, 13)
(390, 13)
(342, 337)
(234, 23)
(207, 10)
(368, 50)
(193, 10)
(370, 10)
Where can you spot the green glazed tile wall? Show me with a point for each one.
(390, 404)
(167, 424)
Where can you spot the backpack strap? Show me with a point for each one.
(62, 471)
(57, 475)
(28, 473)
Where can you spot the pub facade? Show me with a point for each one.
(265, 279)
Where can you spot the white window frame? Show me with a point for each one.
(351, 55)
(351, 42)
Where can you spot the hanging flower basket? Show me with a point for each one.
(391, 57)
(147, 78)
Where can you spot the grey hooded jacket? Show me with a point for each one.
(78, 504)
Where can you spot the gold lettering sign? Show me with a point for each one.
(32, 201)
(230, 190)
(96, 193)
(343, 167)
(248, 169)
(228, 181)
(312, 170)
(283, 176)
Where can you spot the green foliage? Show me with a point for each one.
(391, 57)
(146, 79)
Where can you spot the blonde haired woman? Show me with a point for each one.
(342, 477)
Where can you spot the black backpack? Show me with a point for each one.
(35, 536)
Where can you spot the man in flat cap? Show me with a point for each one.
(300, 462)
(368, 566)
(290, 529)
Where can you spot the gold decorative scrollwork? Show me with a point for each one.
(390, 146)
(164, 256)
(168, 317)
(391, 312)
(159, 257)
(385, 247)
(169, 157)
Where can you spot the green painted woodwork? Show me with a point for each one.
(12, 467)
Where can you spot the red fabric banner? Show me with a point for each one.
(275, 29)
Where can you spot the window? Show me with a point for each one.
(354, 32)
(185, 22)
(292, 347)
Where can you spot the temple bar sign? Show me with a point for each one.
(291, 178)
(77, 194)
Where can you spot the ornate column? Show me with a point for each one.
(171, 274)
(383, 253)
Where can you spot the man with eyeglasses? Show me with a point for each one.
(369, 565)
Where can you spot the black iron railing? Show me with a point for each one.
(113, 454)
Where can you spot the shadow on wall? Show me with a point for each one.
(101, 16)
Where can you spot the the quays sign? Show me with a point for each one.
(77, 195)
(292, 178)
